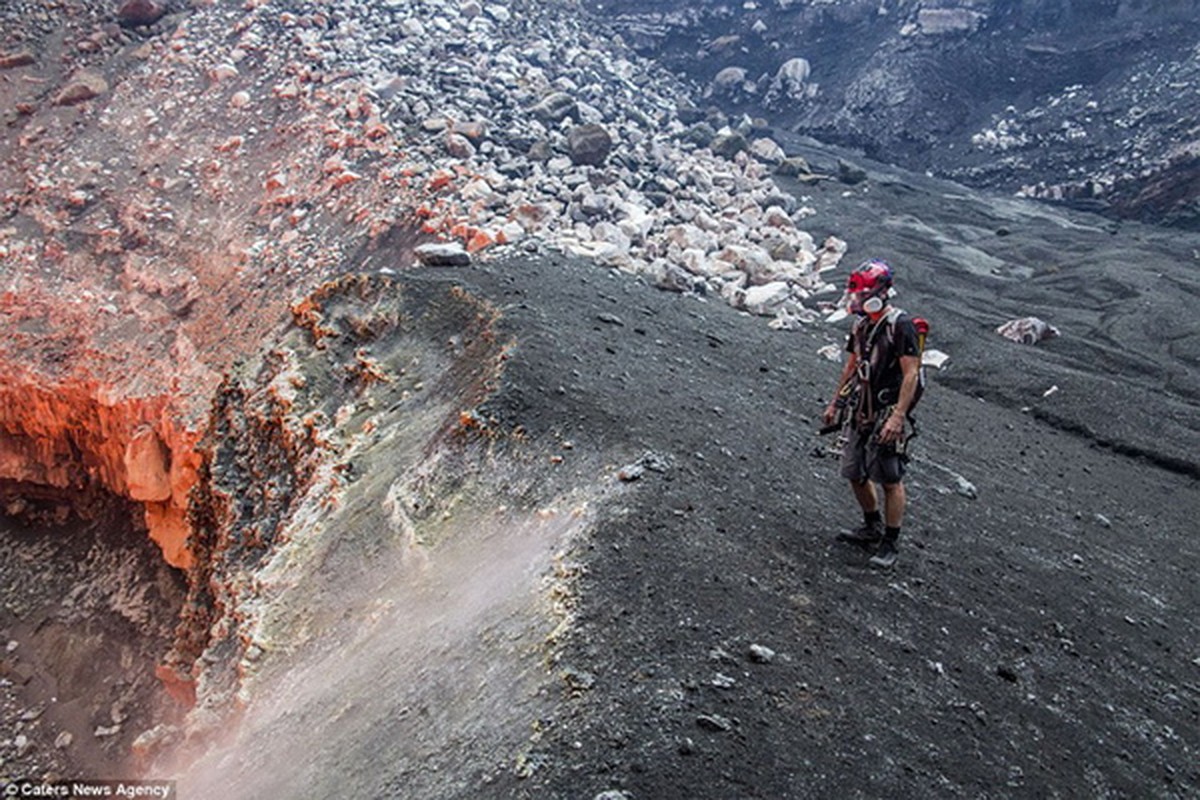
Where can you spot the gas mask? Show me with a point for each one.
(867, 302)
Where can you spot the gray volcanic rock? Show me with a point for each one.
(140, 12)
(506, 121)
(589, 144)
(20, 58)
(556, 107)
(729, 144)
(450, 254)
(85, 86)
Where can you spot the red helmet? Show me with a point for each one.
(868, 286)
(871, 276)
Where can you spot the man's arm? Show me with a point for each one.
(893, 428)
(831, 410)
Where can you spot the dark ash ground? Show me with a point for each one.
(1038, 639)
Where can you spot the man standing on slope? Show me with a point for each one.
(876, 390)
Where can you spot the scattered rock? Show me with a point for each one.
(934, 358)
(133, 13)
(527, 764)
(84, 86)
(715, 723)
(556, 107)
(700, 134)
(728, 80)
(793, 167)
(578, 680)
(941, 21)
(850, 173)
(20, 58)
(767, 150)
(223, 72)
(728, 144)
(831, 352)
(791, 80)
(1027, 330)
(767, 299)
(655, 462)
(443, 254)
(459, 146)
(589, 144)
(721, 654)
(630, 472)
(761, 654)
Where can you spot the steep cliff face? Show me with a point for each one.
(370, 544)
(367, 369)
(336, 451)
(1085, 102)
(75, 440)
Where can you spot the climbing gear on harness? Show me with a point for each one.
(870, 358)
(875, 348)
(843, 403)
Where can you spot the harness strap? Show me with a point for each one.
(865, 412)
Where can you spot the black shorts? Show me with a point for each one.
(864, 457)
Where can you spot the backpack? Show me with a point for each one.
(922, 326)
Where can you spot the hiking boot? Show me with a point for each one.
(885, 556)
(865, 536)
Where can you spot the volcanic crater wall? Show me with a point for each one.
(338, 436)
(69, 440)
(332, 438)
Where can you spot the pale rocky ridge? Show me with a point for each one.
(1092, 104)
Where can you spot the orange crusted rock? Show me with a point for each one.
(479, 241)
